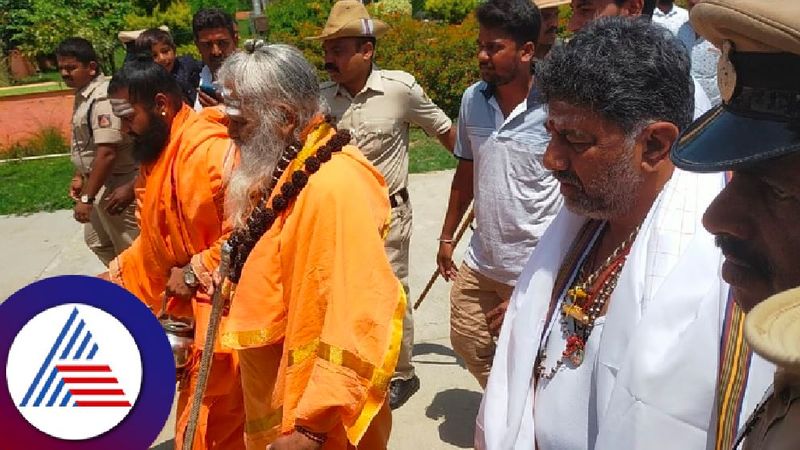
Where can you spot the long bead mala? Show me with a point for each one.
(262, 217)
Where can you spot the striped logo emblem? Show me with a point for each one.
(367, 27)
(77, 371)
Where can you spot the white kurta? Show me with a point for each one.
(654, 361)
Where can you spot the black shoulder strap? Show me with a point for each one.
(89, 118)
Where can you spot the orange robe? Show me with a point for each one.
(317, 314)
(180, 200)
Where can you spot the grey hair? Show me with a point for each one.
(264, 83)
(265, 75)
(629, 71)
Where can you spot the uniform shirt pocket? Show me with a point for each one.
(376, 136)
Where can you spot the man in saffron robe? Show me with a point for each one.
(612, 337)
(317, 313)
(186, 160)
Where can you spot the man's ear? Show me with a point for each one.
(368, 50)
(658, 138)
(633, 7)
(289, 123)
(161, 103)
(93, 68)
(528, 52)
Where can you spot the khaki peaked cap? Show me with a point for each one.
(764, 26)
(759, 82)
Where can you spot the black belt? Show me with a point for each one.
(398, 198)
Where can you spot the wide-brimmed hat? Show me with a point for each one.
(759, 82)
(773, 329)
(542, 4)
(349, 18)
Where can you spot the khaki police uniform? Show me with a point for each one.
(93, 124)
(756, 124)
(773, 330)
(378, 118)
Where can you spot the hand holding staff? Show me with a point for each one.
(464, 225)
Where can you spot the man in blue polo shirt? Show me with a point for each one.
(500, 142)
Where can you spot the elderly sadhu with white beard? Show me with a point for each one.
(315, 311)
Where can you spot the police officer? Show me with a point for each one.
(755, 135)
(378, 106)
(773, 330)
(104, 166)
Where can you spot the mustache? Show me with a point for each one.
(567, 177)
(331, 67)
(744, 252)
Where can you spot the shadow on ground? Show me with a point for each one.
(458, 407)
(427, 348)
(169, 445)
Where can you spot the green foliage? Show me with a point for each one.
(390, 8)
(286, 17)
(8, 26)
(440, 56)
(451, 11)
(190, 50)
(417, 6)
(41, 25)
(177, 16)
(5, 78)
(31, 186)
(229, 6)
(564, 16)
(47, 141)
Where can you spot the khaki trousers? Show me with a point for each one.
(397, 245)
(471, 297)
(108, 235)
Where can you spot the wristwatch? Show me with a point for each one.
(86, 200)
(189, 277)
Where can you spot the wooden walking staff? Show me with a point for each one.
(435, 275)
(217, 307)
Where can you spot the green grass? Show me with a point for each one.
(32, 186)
(426, 154)
(40, 77)
(21, 90)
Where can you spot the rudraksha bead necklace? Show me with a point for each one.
(262, 217)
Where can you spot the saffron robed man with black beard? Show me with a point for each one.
(186, 159)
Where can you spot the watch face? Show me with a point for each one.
(189, 278)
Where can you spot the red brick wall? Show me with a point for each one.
(22, 116)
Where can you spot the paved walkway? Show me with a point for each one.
(440, 416)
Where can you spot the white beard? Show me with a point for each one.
(258, 158)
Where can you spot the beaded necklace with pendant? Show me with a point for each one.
(583, 304)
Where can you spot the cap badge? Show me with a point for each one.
(726, 72)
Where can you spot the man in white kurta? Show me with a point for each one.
(647, 369)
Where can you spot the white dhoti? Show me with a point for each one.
(649, 376)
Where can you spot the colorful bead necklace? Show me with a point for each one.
(583, 304)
